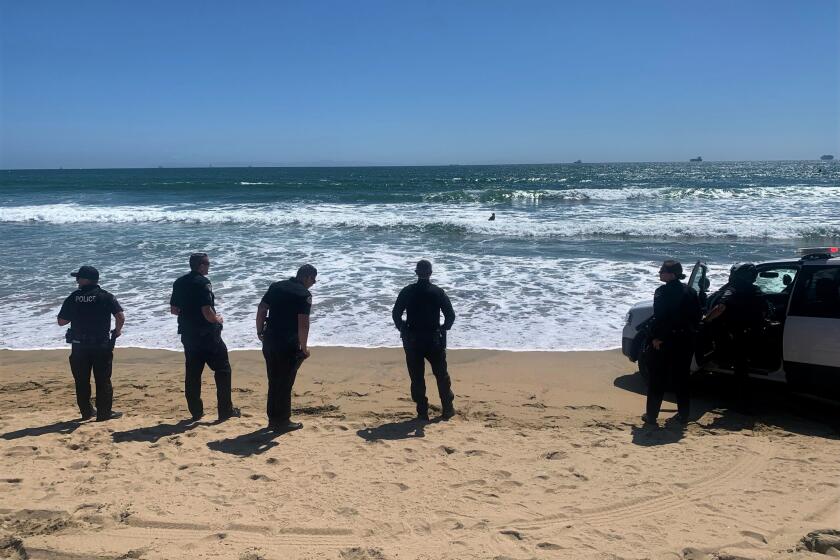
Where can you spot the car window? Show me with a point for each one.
(817, 293)
(775, 280)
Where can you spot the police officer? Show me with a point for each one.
(88, 310)
(200, 328)
(424, 338)
(676, 316)
(742, 310)
(283, 328)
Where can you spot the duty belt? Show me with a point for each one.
(89, 339)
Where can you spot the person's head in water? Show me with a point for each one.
(492, 216)
(671, 270)
(423, 269)
(306, 275)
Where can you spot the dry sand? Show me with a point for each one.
(546, 459)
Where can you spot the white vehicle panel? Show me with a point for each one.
(812, 340)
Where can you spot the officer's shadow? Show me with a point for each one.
(404, 429)
(254, 443)
(649, 436)
(151, 434)
(64, 427)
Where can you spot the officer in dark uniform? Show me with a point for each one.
(741, 310)
(88, 310)
(424, 338)
(676, 316)
(200, 328)
(283, 328)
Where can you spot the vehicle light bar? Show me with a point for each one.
(820, 251)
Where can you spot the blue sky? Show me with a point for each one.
(136, 84)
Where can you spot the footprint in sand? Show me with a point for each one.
(555, 455)
(357, 553)
(479, 453)
(21, 451)
(260, 477)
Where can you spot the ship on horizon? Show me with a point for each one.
(827, 157)
(698, 158)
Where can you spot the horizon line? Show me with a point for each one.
(351, 165)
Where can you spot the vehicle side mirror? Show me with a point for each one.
(704, 284)
(787, 280)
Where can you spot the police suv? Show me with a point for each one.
(799, 341)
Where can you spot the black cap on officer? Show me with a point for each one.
(674, 267)
(87, 272)
(423, 268)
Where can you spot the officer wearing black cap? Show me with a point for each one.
(283, 328)
(424, 338)
(88, 310)
(200, 328)
(676, 316)
(742, 310)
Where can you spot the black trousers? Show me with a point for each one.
(741, 363)
(83, 359)
(211, 351)
(420, 347)
(671, 363)
(281, 365)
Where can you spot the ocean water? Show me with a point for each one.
(573, 246)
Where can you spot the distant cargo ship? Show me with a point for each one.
(698, 158)
(827, 157)
(578, 161)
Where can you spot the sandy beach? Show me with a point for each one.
(546, 458)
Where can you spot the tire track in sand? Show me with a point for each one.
(748, 464)
(262, 536)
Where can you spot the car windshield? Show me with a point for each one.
(775, 280)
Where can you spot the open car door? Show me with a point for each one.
(699, 281)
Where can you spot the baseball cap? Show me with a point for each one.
(86, 272)
(423, 267)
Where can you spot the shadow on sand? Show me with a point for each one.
(650, 436)
(769, 404)
(404, 429)
(151, 434)
(64, 427)
(245, 445)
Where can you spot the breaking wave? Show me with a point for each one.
(632, 193)
(455, 220)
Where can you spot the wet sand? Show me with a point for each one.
(546, 458)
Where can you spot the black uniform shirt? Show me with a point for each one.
(286, 300)
(423, 303)
(676, 310)
(744, 306)
(89, 311)
(190, 293)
